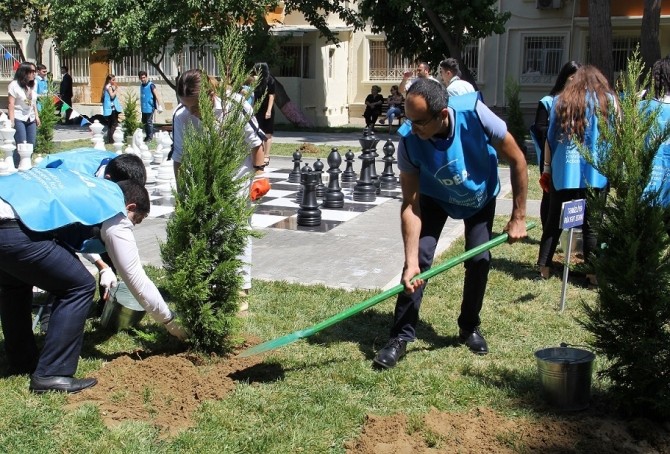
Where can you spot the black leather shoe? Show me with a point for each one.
(474, 340)
(70, 385)
(389, 356)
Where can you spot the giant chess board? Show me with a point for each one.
(278, 208)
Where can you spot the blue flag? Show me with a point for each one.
(84, 122)
(8, 56)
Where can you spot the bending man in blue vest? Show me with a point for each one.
(449, 168)
(37, 248)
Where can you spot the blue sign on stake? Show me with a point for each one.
(572, 214)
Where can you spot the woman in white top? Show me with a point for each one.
(23, 114)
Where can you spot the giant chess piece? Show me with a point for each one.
(7, 135)
(301, 189)
(294, 176)
(118, 137)
(98, 139)
(309, 214)
(365, 190)
(349, 174)
(334, 197)
(373, 166)
(320, 187)
(388, 180)
(25, 152)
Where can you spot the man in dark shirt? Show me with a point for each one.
(66, 92)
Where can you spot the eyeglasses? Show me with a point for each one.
(424, 123)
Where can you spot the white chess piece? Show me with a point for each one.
(98, 140)
(25, 152)
(118, 139)
(138, 142)
(158, 153)
(7, 136)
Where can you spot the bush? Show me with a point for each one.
(210, 225)
(48, 120)
(630, 321)
(515, 124)
(131, 119)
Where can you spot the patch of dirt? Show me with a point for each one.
(167, 390)
(482, 430)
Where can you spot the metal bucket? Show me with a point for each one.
(121, 310)
(565, 375)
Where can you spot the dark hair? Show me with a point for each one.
(126, 166)
(40, 67)
(432, 91)
(22, 73)
(133, 192)
(564, 74)
(141, 73)
(188, 83)
(63, 69)
(451, 64)
(104, 86)
(660, 76)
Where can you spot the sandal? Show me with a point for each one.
(266, 161)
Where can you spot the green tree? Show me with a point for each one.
(12, 10)
(433, 29)
(630, 320)
(49, 117)
(210, 225)
(515, 123)
(131, 119)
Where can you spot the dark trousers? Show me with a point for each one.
(27, 259)
(148, 122)
(112, 122)
(371, 116)
(477, 231)
(551, 230)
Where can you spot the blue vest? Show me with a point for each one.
(107, 104)
(147, 101)
(568, 169)
(49, 199)
(546, 101)
(461, 172)
(660, 175)
(88, 161)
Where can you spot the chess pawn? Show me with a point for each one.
(388, 180)
(320, 187)
(25, 152)
(349, 175)
(118, 140)
(334, 197)
(294, 176)
(98, 140)
(38, 158)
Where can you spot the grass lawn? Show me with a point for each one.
(317, 392)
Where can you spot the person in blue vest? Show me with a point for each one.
(574, 120)
(538, 131)
(38, 249)
(111, 105)
(42, 88)
(149, 102)
(449, 168)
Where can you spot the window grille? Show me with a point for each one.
(384, 65)
(471, 58)
(295, 58)
(78, 65)
(622, 49)
(126, 70)
(7, 65)
(543, 58)
(201, 57)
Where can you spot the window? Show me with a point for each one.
(622, 49)
(129, 67)
(542, 59)
(471, 58)
(295, 61)
(78, 65)
(204, 58)
(384, 65)
(10, 50)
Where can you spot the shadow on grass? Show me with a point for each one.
(370, 329)
(259, 373)
(523, 387)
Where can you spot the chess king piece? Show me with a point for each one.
(309, 214)
(388, 180)
(349, 175)
(98, 139)
(294, 176)
(365, 190)
(334, 197)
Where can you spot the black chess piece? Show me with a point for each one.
(334, 197)
(320, 187)
(349, 175)
(309, 214)
(365, 190)
(388, 180)
(294, 176)
(301, 189)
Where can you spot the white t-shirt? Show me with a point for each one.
(411, 81)
(458, 86)
(24, 101)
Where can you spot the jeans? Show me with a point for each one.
(477, 231)
(26, 131)
(392, 112)
(148, 122)
(30, 259)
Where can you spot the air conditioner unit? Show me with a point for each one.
(548, 4)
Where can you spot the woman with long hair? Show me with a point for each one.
(22, 106)
(264, 96)
(539, 128)
(111, 106)
(574, 120)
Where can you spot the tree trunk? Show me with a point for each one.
(650, 47)
(10, 32)
(600, 35)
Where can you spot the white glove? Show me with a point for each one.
(159, 109)
(175, 329)
(107, 280)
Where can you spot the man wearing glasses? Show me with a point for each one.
(448, 166)
(86, 214)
